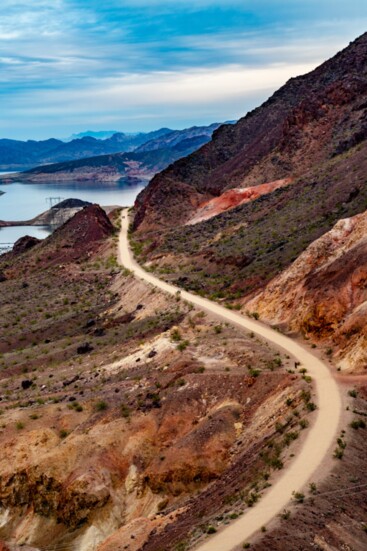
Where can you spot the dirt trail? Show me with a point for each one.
(320, 437)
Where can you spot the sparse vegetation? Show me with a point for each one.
(298, 496)
(358, 424)
(101, 406)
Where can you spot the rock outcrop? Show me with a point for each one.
(25, 244)
(323, 294)
(233, 198)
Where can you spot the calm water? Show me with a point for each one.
(25, 201)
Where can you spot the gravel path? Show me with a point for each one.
(320, 438)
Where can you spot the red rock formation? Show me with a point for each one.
(233, 198)
(323, 293)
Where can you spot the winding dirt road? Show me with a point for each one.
(320, 438)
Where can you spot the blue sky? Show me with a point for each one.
(132, 65)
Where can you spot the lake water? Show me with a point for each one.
(24, 201)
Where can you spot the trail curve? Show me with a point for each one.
(320, 436)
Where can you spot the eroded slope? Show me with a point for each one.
(121, 408)
(323, 294)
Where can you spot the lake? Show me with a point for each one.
(24, 201)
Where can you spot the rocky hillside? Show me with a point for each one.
(124, 411)
(246, 231)
(250, 202)
(323, 294)
(310, 121)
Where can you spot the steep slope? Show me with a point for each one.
(228, 241)
(323, 294)
(234, 253)
(308, 121)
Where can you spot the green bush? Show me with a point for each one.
(338, 453)
(358, 424)
(299, 496)
(125, 411)
(101, 406)
(182, 346)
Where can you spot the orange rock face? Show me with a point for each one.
(233, 198)
(323, 293)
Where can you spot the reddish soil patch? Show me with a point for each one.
(233, 198)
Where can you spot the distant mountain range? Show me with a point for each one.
(19, 155)
(99, 135)
(163, 148)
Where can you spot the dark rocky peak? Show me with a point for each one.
(71, 204)
(298, 127)
(88, 225)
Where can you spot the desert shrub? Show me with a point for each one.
(358, 424)
(101, 406)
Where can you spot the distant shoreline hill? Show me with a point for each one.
(149, 158)
(19, 155)
(54, 217)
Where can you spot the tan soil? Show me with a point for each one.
(319, 439)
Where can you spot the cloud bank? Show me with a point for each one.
(139, 64)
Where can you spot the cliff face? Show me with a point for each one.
(308, 121)
(323, 293)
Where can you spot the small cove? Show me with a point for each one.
(24, 201)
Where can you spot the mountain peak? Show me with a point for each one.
(308, 120)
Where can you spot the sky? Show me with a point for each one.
(137, 65)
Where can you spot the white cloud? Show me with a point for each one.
(161, 90)
(87, 61)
